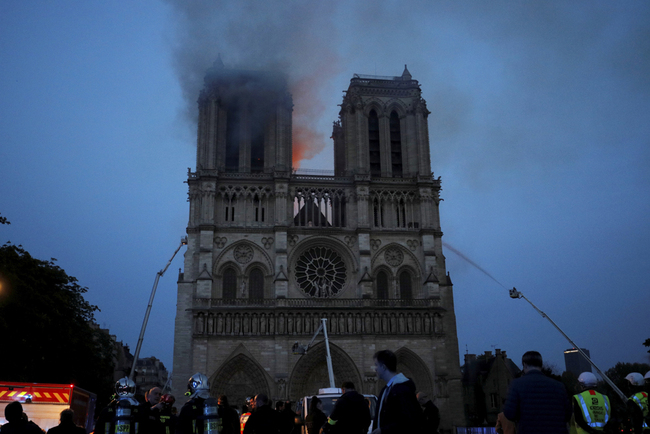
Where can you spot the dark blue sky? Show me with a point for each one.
(539, 130)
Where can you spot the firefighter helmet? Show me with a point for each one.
(125, 388)
(635, 379)
(168, 399)
(197, 383)
(587, 379)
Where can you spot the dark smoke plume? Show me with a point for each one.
(290, 37)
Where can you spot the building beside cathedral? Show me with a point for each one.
(271, 251)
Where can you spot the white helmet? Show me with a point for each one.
(647, 376)
(125, 388)
(587, 379)
(635, 379)
(198, 382)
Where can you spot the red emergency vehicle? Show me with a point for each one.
(43, 402)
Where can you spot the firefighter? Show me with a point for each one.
(591, 410)
(246, 412)
(122, 415)
(637, 403)
(199, 415)
(167, 419)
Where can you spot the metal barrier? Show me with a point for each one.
(475, 430)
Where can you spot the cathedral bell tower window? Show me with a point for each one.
(259, 209)
(233, 127)
(229, 205)
(373, 144)
(257, 147)
(395, 145)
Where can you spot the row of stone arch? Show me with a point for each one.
(241, 375)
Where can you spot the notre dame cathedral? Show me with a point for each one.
(272, 251)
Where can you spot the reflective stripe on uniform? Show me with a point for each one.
(638, 401)
(587, 414)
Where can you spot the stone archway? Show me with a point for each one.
(310, 373)
(238, 378)
(411, 365)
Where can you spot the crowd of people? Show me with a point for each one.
(536, 403)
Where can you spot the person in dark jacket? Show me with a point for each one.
(67, 425)
(536, 402)
(430, 412)
(287, 418)
(17, 421)
(264, 419)
(315, 418)
(351, 414)
(229, 416)
(399, 411)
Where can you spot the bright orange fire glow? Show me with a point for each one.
(306, 144)
(308, 109)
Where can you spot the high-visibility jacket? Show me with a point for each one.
(596, 409)
(641, 399)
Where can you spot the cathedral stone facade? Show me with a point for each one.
(272, 251)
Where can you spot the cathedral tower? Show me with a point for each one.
(272, 251)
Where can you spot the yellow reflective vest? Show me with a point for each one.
(641, 399)
(595, 409)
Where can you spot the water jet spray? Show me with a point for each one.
(514, 293)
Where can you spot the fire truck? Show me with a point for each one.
(43, 402)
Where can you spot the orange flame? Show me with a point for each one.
(309, 108)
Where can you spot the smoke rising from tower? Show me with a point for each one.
(288, 37)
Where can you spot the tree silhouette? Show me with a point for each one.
(47, 327)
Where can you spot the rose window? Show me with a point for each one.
(243, 253)
(320, 272)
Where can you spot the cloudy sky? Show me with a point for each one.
(539, 129)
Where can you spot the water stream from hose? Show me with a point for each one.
(469, 261)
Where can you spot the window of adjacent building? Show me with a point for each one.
(395, 145)
(405, 286)
(229, 284)
(373, 144)
(233, 127)
(382, 285)
(256, 284)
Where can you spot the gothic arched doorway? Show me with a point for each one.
(310, 373)
(239, 378)
(411, 365)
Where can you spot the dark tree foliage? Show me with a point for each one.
(570, 382)
(47, 327)
(618, 373)
(4, 221)
(647, 344)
